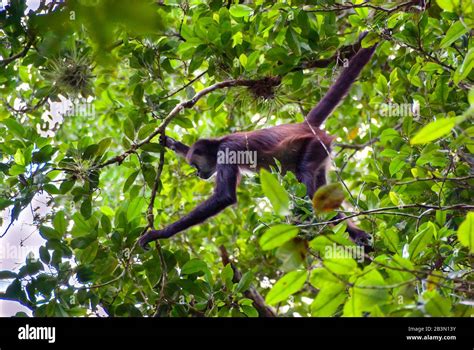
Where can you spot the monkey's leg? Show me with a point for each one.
(312, 172)
(360, 237)
(311, 169)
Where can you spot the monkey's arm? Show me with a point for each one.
(180, 148)
(223, 196)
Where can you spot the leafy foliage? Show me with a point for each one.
(406, 172)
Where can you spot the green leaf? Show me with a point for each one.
(103, 145)
(49, 233)
(129, 128)
(14, 127)
(396, 165)
(391, 239)
(448, 5)
(395, 198)
(129, 182)
(227, 275)
(19, 157)
(243, 60)
(421, 240)
(237, 39)
(5, 203)
(291, 254)
(466, 232)
(454, 33)
(59, 222)
(289, 284)
(106, 223)
(5, 274)
(438, 306)
(81, 225)
(293, 41)
(248, 310)
(44, 255)
(107, 210)
(370, 40)
(135, 208)
(277, 235)
(240, 10)
(275, 192)
(43, 155)
(137, 96)
(66, 186)
(434, 130)
(465, 68)
(15, 292)
(90, 151)
(327, 301)
(322, 279)
(340, 265)
(194, 266)
(368, 291)
(244, 282)
(86, 208)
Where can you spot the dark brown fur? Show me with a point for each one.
(301, 148)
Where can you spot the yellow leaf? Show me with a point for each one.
(328, 197)
(353, 133)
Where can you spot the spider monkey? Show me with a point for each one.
(302, 148)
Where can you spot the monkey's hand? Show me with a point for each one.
(151, 236)
(180, 148)
(361, 238)
(170, 143)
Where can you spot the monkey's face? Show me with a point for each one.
(203, 157)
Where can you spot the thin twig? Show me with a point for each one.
(455, 179)
(186, 85)
(151, 218)
(388, 209)
(350, 6)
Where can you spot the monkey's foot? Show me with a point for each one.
(151, 236)
(361, 238)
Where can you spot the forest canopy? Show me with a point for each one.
(88, 87)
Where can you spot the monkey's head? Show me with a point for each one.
(203, 156)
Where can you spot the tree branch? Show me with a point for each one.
(20, 54)
(345, 52)
(263, 309)
(350, 6)
(460, 179)
(186, 85)
(273, 81)
(387, 210)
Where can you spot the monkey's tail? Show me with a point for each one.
(340, 88)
